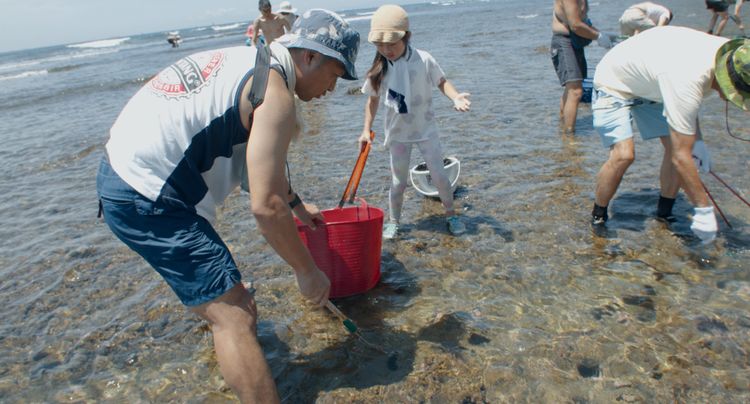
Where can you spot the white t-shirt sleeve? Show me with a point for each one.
(434, 72)
(682, 100)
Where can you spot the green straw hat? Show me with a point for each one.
(733, 72)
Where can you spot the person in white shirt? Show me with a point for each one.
(404, 78)
(659, 79)
(642, 16)
(718, 9)
(179, 148)
(288, 12)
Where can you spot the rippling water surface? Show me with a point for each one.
(529, 306)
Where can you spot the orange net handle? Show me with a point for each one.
(351, 187)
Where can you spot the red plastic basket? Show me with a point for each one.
(347, 247)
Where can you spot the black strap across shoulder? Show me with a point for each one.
(257, 94)
(260, 76)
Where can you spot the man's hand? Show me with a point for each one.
(308, 214)
(701, 158)
(461, 103)
(314, 286)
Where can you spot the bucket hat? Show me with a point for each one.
(732, 71)
(389, 24)
(286, 7)
(327, 33)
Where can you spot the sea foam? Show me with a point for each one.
(104, 43)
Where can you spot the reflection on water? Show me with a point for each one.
(530, 305)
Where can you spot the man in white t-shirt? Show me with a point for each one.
(642, 16)
(659, 79)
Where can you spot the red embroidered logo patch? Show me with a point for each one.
(188, 75)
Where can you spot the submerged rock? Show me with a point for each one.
(588, 368)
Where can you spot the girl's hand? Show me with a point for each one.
(364, 139)
(461, 103)
(308, 214)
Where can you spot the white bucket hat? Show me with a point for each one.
(286, 8)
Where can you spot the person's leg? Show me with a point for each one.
(572, 98)
(570, 66)
(563, 100)
(712, 22)
(724, 18)
(574, 88)
(704, 223)
(233, 318)
(613, 122)
(669, 182)
(621, 156)
(400, 156)
(737, 19)
(704, 220)
(682, 158)
(432, 154)
(191, 257)
(649, 117)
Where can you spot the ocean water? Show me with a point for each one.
(529, 306)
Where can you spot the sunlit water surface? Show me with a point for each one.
(529, 306)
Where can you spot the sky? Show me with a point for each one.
(38, 23)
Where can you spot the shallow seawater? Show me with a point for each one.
(529, 306)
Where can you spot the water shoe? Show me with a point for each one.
(390, 230)
(455, 226)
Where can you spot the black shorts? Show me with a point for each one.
(717, 5)
(570, 63)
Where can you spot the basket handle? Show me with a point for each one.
(364, 205)
(359, 167)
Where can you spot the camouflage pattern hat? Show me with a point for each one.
(732, 71)
(327, 33)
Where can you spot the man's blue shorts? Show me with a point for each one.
(613, 118)
(180, 244)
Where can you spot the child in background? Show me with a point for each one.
(718, 9)
(404, 77)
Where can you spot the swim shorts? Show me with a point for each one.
(717, 5)
(613, 118)
(570, 63)
(180, 245)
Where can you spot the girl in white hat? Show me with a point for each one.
(403, 77)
